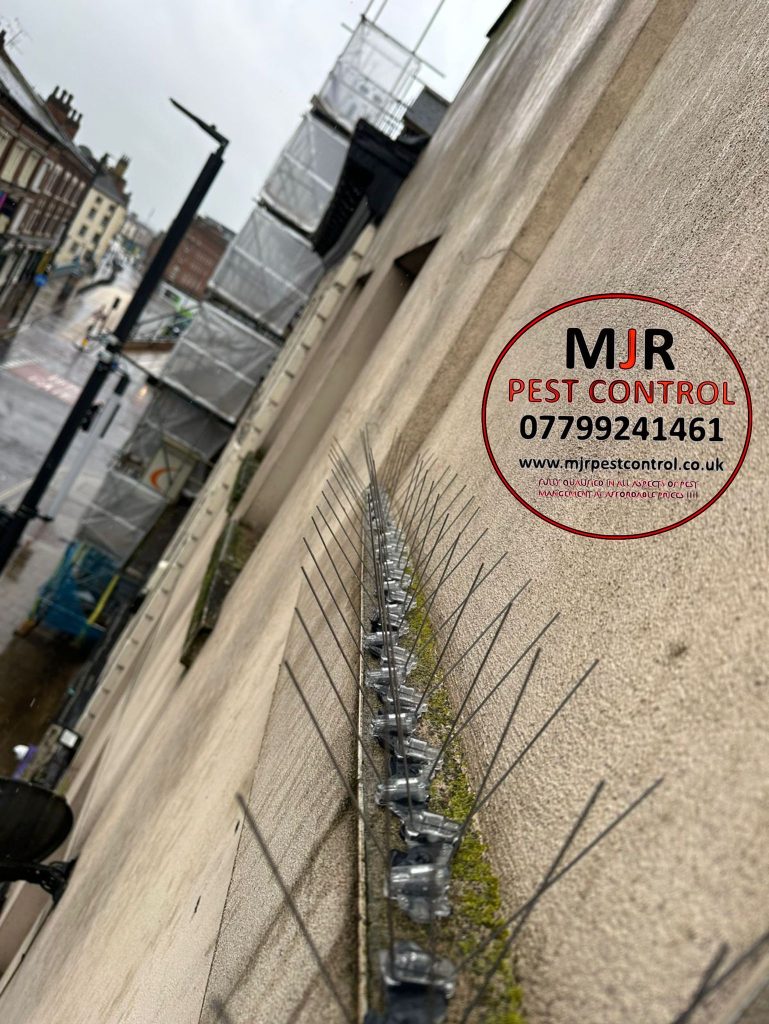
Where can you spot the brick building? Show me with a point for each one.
(198, 253)
(43, 178)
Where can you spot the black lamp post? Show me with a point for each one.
(16, 522)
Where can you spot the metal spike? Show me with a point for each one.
(348, 716)
(353, 604)
(512, 668)
(355, 639)
(526, 907)
(348, 1016)
(542, 729)
(471, 688)
(701, 992)
(346, 557)
(342, 777)
(480, 583)
(502, 738)
(524, 915)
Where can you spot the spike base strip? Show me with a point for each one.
(379, 821)
(363, 787)
(474, 893)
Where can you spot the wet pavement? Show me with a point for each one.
(41, 372)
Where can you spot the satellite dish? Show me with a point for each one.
(33, 821)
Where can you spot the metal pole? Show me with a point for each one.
(107, 361)
(97, 430)
(429, 25)
(167, 248)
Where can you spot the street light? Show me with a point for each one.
(16, 522)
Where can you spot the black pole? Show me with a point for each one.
(107, 362)
(168, 247)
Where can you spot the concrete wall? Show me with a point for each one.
(595, 146)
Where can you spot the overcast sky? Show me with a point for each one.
(248, 66)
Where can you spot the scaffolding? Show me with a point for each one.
(304, 177)
(120, 515)
(267, 272)
(374, 79)
(218, 364)
(220, 360)
(257, 291)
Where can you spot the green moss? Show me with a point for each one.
(230, 554)
(245, 475)
(475, 897)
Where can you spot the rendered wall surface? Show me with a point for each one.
(672, 202)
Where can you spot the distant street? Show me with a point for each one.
(41, 372)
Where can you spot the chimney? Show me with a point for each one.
(59, 105)
(121, 167)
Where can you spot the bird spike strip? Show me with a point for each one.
(402, 538)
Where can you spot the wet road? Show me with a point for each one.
(41, 372)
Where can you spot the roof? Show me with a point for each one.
(15, 87)
(220, 228)
(426, 112)
(106, 184)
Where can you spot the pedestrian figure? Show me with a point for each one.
(96, 326)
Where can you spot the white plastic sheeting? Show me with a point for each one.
(121, 514)
(302, 182)
(371, 79)
(169, 415)
(268, 271)
(220, 360)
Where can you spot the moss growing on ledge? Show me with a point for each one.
(230, 554)
(246, 471)
(475, 898)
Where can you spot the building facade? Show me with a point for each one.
(196, 257)
(43, 178)
(100, 217)
(594, 147)
(136, 237)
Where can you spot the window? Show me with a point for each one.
(111, 209)
(40, 174)
(29, 165)
(73, 248)
(35, 221)
(82, 232)
(18, 217)
(97, 200)
(92, 213)
(53, 180)
(12, 161)
(64, 184)
(104, 221)
(96, 240)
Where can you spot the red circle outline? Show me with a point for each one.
(591, 298)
